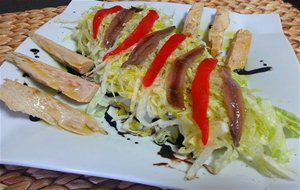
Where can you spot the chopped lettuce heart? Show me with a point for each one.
(263, 142)
(169, 133)
(290, 121)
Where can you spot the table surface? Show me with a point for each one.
(8, 6)
(16, 26)
(22, 5)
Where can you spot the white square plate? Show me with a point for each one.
(33, 144)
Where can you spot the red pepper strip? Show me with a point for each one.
(141, 30)
(200, 95)
(165, 51)
(99, 16)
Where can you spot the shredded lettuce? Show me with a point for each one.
(93, 48)
(169, 133)
(290, 121)
(264, 139)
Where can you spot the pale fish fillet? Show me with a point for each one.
(239, 50)
(28, 100)
(63, 55)
(192, 21)
(70, 85)
(216, 33)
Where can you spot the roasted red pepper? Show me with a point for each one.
(200, 96)
(99, 16)
(165, 51)
(143, 28)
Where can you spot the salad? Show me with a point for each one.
(135, 68)
(146, 108)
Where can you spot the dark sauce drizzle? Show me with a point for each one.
(179, 141)
(160, 164)
(135, 118)
(166, 165)
(155, 119)
(73, 72)
(254, 71)
(122, 134)
(33, 118)
(113, 124)
(109, 119)
(35, 52)
(167, 152)
(110, 94)
(25, 75)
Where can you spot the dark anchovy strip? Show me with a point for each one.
(176, 75)
(116, 26)
(146, 46)
(234, 103)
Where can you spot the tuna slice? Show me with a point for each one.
(70, 85)
(28, 100)
(192, 21)
(216, 33)
(63, 55)
(239, 50)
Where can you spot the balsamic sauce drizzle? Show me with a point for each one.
(167, 152)
(243, 71)
(254, 71)
(72, 71)
(113, 124)
(25, 75)
(35, 52)
(33, 118)
(110, 94)
(179, 141)
(160, 164)
(155, 119)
